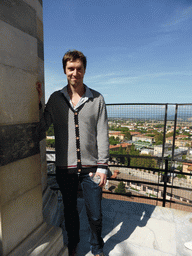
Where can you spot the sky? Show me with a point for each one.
(138, 51)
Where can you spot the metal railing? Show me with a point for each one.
(154, 176)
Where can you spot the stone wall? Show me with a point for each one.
(22, 166)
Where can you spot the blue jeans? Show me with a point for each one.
(92, 194)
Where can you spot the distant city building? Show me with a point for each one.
(130, 127)
(50, 137)
(146, 151)
(179, 142)
(143, 138)
(159, 148)
(187, 167)
(117, 134)
(135, 133)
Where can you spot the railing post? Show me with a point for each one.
(174, 133)
(164, 133)
(165, 179)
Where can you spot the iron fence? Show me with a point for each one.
(151, 153)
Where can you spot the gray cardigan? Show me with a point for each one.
(92, 126)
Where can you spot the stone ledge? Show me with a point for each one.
(45, 241)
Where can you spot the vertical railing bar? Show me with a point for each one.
(172, 173)
(158, 186)
(164, 133)
(174, 133)
(173, 146)
(165, 182)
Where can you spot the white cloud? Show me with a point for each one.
(124, 78)
(181, 16)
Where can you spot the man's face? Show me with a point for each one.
(75, 72)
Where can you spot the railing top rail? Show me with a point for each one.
(179, 104)
(139, 156)
(112, 104)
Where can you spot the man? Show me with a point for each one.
(79, 116)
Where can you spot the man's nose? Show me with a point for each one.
(75, 72)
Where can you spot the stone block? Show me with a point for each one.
(39, 29)
(39, 10)
(32, 3)
(44, 241)
(37, 6)
(40, 76)
(41, 70)
(19, 177)
(20, 217)
(40, 49)
(18, 49)
(17, 141)
(19, 98)
(20, 15)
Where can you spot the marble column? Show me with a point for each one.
(23, 167)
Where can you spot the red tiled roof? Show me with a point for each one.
(143, 136)
(123, 145)
(116, 133)
(135, 133)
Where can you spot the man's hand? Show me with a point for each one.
(103, 178)
(39, 89)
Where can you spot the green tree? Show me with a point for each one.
(159, 139)
(180, 176)
(180, 168)
(170, 134)
(50, 143)
(113, 140)
(158, 143)
(184, 157)
(50, 131)
(159, 126)
(186, 133)
(127, 135)
(141, 162)
(121, 151)
(120, 188)
(134, 152)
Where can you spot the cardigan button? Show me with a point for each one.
(79, 170)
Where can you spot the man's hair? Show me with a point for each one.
(72, 56)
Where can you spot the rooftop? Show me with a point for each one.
(139, 229)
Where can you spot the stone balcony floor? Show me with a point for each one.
(138, 229)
